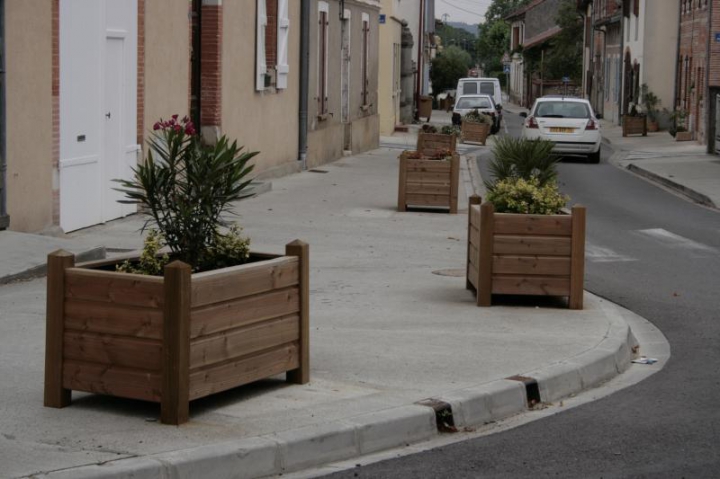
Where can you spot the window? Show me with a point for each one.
(271, 44)
(365, 59)
(322, 95)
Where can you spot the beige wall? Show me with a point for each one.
(167, 61)
(660, 49)
(264, 121)
(28, 34)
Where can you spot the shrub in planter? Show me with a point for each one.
(220, 316)
(517, 195)
(476, 127)
(522, 158)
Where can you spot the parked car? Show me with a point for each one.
(483, 86)
(569, 122)
(482, 103)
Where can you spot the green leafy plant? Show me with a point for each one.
(518, 195)
(522, 158)
(441, 154)
(678, 118)
(651, 102)
(450, 130)
(187, 189)
(474, 116)
(428, 128)
(151, 261)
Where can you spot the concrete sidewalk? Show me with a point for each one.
(392, 325)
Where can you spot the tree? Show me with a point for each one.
(448, 67)
(564, 57)
(494, 35)
(450, 36)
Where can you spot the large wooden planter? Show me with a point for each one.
(430, 143)
(525, 254)
(683, 136)
(425, 182)
(474, 132)
(175, 338)
(634, 125)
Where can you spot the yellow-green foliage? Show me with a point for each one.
(474, 116)
(518, 195)
(229, 249)
(150, 261)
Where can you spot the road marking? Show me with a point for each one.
(672, 240)
(599, 254)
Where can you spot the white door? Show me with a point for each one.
(98, 105)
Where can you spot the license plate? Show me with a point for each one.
(557, 129)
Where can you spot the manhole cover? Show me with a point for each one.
(456, 273)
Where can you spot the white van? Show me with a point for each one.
(480, 86)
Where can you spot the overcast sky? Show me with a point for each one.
(467, 11)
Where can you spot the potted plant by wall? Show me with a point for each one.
(519, 241)
(679, 129)
(431, 140)
(651, 102)
(429, 181)
(475, 127)
(635, 121)
(207, 316)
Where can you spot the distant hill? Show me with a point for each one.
(473, 29)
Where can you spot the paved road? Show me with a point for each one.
(659, 256)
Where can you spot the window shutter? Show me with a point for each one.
(260, 65)
(282, 44)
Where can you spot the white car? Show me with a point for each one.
(568, 122)
(483, 103)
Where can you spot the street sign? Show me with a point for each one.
(506, 69)
(566, 79)
(717, 37)
(382, 18)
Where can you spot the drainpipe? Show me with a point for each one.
(304, 82)
(710, 134)
(4, 218)
(419, 66)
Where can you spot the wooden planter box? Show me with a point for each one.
(634, 125)
(683, 136)
(425, 104)
(175, 338)
(425, 182)
(525, 254)
(429, 143)
(474, 132)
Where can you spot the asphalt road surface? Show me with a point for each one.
(658, 255)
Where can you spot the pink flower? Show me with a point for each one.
(157, 125)
(178, 129)
(186, 119)
(189, 129)
(175, 116)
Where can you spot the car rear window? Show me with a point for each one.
(487, 88)
(467, 103)
(562, 109)
(469, 88)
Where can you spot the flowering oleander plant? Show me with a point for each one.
(187, 189)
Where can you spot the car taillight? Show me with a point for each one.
(591, 125)
(492, 114)
(531, 122)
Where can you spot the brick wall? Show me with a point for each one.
(211, 66)
(714, 63)
(141, 73)
(693, 62)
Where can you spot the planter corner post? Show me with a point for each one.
(55, 394)
(472, 201)
(487, 226)
(577, 258)
(298, 248)
(175, 401)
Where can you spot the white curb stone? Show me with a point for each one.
(489, 402)
(394, 427)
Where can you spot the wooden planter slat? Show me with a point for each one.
(244, 280)
(240, 342)
(541, 245)
(113, 381)
(547, 225)
(429, 143)
(530, 285)
(525, 254)
(531, 265)
(158, 339)
(88, 316)
(115, 288)
(220, 317)
(221, 377)
(119, 351)
(425, 182)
